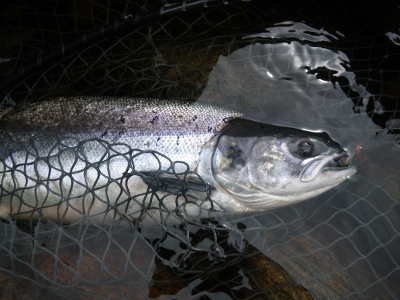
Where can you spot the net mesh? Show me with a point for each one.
(344, 244)
(66, 172)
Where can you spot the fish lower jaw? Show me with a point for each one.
(228, 203)
(267, 202)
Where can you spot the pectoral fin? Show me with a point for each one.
(173, 183)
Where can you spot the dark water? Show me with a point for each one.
(333, 68)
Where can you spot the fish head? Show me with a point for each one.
(264, 166)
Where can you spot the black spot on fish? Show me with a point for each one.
(194, 118)
(122, 119)
(105, 132)
(235, 155)
(177, 140)
(116, 136)
(158, 139)
(155, 119)
(210, 128)
(120, 133)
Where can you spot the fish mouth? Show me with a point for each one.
(341, 161)
(338, 163)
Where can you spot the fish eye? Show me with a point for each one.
(305, 148)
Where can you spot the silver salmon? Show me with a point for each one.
(102, 158)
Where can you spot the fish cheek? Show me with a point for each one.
(263, 162)
(266, 173)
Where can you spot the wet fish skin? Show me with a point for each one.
(172, 127)
(95, 140)
(85, 152)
